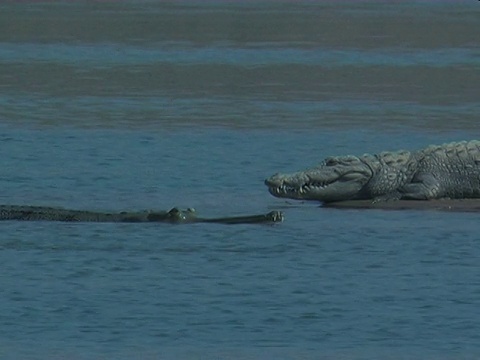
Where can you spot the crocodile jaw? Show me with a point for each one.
(326, 183)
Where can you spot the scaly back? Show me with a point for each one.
(456, 167)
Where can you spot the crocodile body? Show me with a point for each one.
(449, 171)
(175, 215)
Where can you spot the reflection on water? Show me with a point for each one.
(283, 65)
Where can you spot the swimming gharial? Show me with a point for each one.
(175, 215)
(439, 171)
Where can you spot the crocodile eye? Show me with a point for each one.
(331, 162)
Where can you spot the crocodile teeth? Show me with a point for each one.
(303, 189)
(318, 185)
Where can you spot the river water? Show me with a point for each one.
(150, 104)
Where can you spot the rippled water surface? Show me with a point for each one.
(150, 104)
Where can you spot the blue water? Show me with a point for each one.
(150, 105)
(105, 55)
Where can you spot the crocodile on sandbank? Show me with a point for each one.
(448, 171)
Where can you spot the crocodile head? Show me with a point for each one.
(335, 179)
